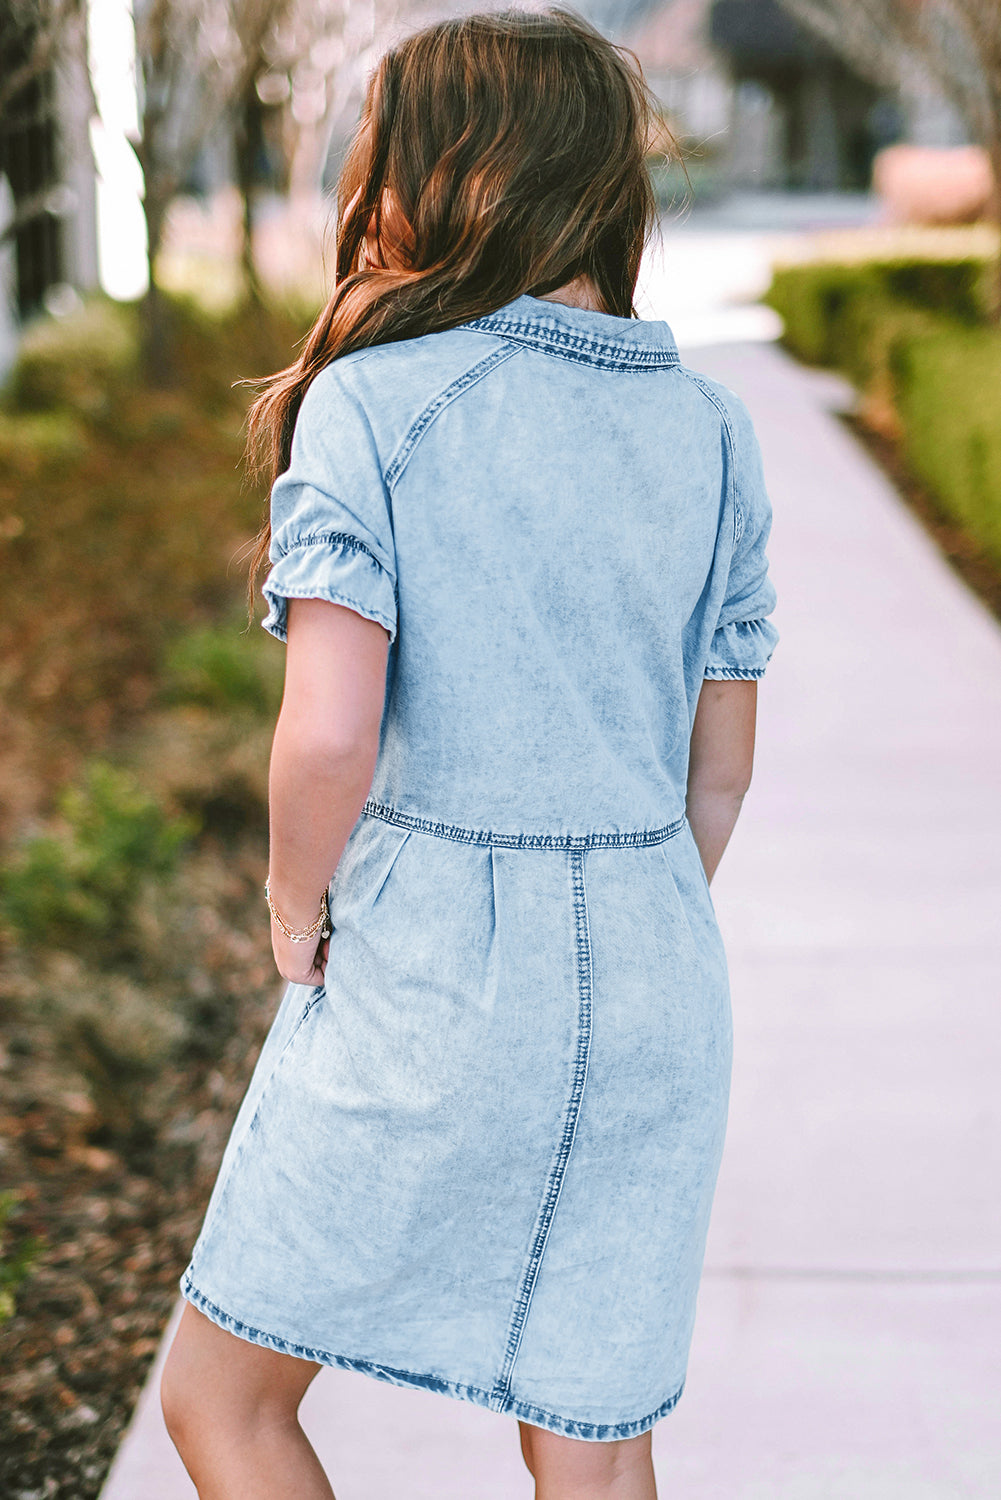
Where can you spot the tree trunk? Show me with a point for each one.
(155, 334)
(994, 154)
(245, 150)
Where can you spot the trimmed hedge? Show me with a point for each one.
(949, 399)
(913, 336)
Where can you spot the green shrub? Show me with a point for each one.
(15, 1261)
(956, 287)
(811, 300)
(79, 881)
(75, 361)
(222, 668)
(907, 334)
(948, 387)
(31, 439)
(873, 328)
(829, 310)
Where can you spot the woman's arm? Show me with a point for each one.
(720, 761)
(322, 761)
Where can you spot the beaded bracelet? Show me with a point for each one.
(321, 926)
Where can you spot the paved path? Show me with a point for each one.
(847, 1344)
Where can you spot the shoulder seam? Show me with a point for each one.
(710, 395)
(437, 405)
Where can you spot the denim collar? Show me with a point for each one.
(578, 333)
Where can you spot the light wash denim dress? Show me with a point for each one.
(480, 1160)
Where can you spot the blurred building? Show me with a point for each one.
(48, 227)
(766, 104)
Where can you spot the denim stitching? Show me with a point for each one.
(738, 514)
(435, 407)
(352, 543)
(384, 1372)
(736, 673)
(597, 1430)
(600, 352)
(567, 1426)
(333, 538)
(633, 837)
(554, 1185)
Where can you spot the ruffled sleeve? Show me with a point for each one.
(331, 525)
(745, 638)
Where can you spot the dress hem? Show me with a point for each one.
(505, 1404)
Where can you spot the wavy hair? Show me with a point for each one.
(513, 144)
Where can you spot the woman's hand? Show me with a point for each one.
(299, 962)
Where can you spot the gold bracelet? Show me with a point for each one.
(320, 927)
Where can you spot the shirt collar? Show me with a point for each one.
(580, 333)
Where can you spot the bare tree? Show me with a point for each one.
(957, 43)
(307, 61)
(201, 64)
(195, 59)
(313, 63)
(36, 38)
(203, 61)
(262, 28)
(326, 48)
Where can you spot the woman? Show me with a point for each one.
(518, 559)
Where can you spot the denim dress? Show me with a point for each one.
(480, 1159)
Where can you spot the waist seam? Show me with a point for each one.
(597, 840)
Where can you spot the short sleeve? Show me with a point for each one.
(331, 527)
(745, 638)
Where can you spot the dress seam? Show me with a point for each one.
(554, 1186)
(436, 406)
(597, 840)
(724, 416)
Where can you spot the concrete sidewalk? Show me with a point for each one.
(847, 1344)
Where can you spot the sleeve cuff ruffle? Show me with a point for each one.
(741, 649)
(339, 571)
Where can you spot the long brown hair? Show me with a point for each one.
(513, 143)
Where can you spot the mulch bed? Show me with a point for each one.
(117, 1224)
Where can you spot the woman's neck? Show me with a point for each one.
(581, 292)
